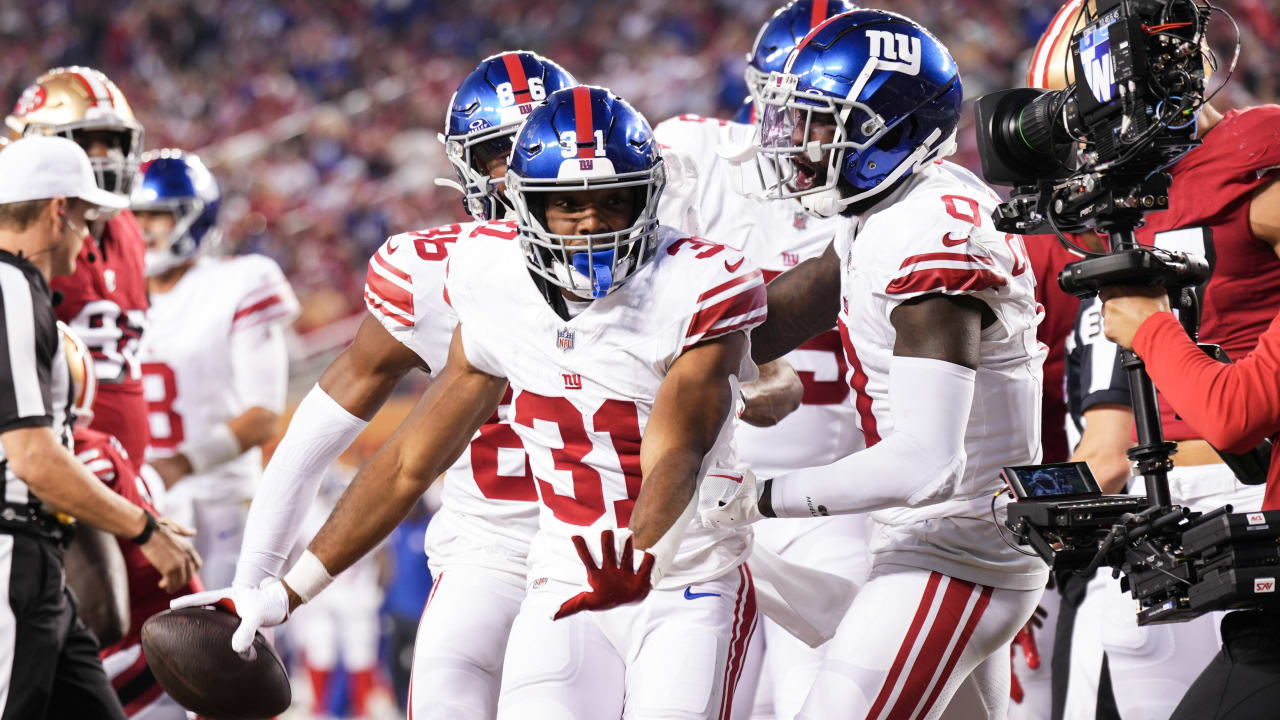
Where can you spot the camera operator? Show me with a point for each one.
(49, 665)
(1224, 203)
(1233, 407)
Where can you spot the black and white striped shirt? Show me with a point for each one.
(1094, 375)
(32, 368)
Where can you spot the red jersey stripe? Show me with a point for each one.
(262, 304)
(858, 383)
(394, 271)
(947, 257)
(950, 279)
(585, 125)
(745, 302)
(392, 293)
(731, 283)
(519, 81)
(377, 303)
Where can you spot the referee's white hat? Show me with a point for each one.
(39, 167)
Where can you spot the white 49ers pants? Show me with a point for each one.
(677, 655)
(911, 638)
(457, 655)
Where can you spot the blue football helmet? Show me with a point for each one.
(866, 98)
(483, 116)
(779, 36)
(585, 138)
(176, 182)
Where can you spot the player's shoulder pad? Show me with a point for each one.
(714, 289)
(264, 295)
(939, 238)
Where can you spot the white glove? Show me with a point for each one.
(263, 606)
(729, 498)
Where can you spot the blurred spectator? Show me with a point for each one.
(320, 117)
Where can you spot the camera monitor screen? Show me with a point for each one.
(1058, 480)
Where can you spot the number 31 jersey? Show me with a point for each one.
(584, 388)
(490, 508)
(934, 235)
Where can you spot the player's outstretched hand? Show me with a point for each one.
(171, 554)
(615, 582)
(259, 607)
(729, 498)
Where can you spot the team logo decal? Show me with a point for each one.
(895, 51)
(585, 164)
(32, 99)
(564, 339)
(790, 259)
(800, 220)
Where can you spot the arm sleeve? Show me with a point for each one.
(25, 366)
(1234, 407)
(918, 463)
(320, 431)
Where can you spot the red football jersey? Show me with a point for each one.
(1048, 257)
(1212, 188)
(105, 302)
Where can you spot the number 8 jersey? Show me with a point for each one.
(584, 388)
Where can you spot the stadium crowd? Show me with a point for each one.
(320, 117)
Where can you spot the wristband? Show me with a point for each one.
(765, 503)
(142, 537)
(307, 577)
(219, 446)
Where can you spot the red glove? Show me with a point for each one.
(613, 583)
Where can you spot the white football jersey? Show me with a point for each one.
(776, 235)
(490, 509)
(188, 378)
(584, 388)
(934, 234)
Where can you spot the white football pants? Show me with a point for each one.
(912, 638)
(1037, 683)
(677, 654)
(457, 655)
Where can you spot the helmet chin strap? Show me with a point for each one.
(826, 203)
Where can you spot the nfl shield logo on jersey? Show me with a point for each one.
(564, 339)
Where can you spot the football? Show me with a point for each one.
(189, 652)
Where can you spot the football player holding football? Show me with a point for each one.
(214, 364)
(938, 319)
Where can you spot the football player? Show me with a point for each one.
(937, 314)
(215, 369)
(105, 299)
(478, 542)
(1228, 186)
(705, 197)
(623, 342)
(126, 667)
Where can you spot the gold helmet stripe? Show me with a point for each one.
(1045, 60)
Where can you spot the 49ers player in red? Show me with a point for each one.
(105, 299)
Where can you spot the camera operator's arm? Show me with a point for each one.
(1235, 406)
(1103, 443)
(1264, 215)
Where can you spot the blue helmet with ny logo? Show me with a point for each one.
(586, 140)
(779, 35)
(867, 98)
(483, 116)
(178, 183)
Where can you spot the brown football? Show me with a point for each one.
(189, 652)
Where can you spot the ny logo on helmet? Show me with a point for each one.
(895, 51)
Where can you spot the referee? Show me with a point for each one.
(49, 666)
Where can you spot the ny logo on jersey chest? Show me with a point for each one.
(572, 381)
(564, 339)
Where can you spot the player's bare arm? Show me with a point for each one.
(803, 302)
(772, 396)
(941, 327)
(1108, 427)
(422, 448)
(362, 377)
(693, 402)
(1264, 215)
